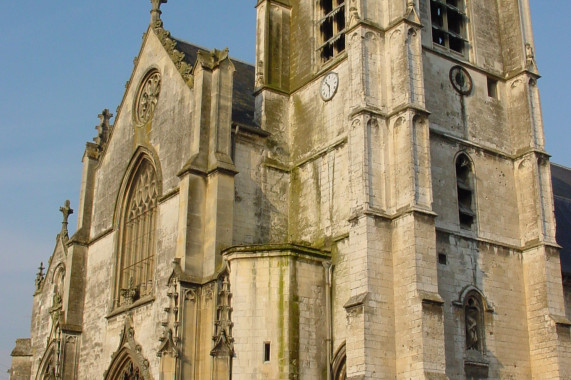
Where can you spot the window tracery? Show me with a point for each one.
(130, 372)
(137, 253)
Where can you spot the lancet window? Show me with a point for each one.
(331, 28)
(137, 253)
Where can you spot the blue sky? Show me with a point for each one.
(63, 62)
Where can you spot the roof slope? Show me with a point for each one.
(243, 91)
(561, 182)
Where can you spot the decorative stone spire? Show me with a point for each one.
(40, 276)
(223, 340)
(103, 128)
(156, 11)
(530, 58)
(66, 211)
(411, 14)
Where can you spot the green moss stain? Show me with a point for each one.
(304, 121)
(317, 189)
(293, 321)
(304, 220)
(288, 319)
(294, 198)
(281, 315)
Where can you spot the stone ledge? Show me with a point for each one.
(430, 298)
(560, 320)
(356, 301)
(123, 309)
(429, 375)
(275, 250)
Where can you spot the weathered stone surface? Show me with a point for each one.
(401, 229)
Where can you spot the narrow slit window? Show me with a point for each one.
(331, 28)
(442, 259)
(266, 351)
(448, 24)
(492, 88)
(465, 192)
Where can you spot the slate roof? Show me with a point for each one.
(243, 91)
(561, 181)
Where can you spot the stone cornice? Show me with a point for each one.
(276, 250)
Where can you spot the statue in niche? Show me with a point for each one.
(473, 324)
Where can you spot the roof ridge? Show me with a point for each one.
(234, 59)
(560, 165)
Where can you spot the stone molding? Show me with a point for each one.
(128, 349)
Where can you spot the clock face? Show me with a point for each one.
(329, 86)
(461, 80)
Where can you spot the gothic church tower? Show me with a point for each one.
(408, 138)
(370, 200)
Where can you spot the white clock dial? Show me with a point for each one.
(329, 86)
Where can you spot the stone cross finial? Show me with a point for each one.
(103, 127)
(66, 211)
(40, 275)
(156, 11)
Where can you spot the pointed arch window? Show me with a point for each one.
(339, 364)
(135, 267)
(47, 369)
(465, 191)
(130, 372)
(124, 368)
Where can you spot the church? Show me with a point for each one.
(371, 199)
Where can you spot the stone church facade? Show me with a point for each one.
(370, 200)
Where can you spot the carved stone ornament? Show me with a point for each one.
(66, 211)
(103, 128)
(147, 97)
(223, 340)
(49, 365)
(40, 276)
(170, 340)
(354, 13)
(178, 57)
(128, 361)
(259, 74)
(461, 80)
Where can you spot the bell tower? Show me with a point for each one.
(386, 121)
(340, 89)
